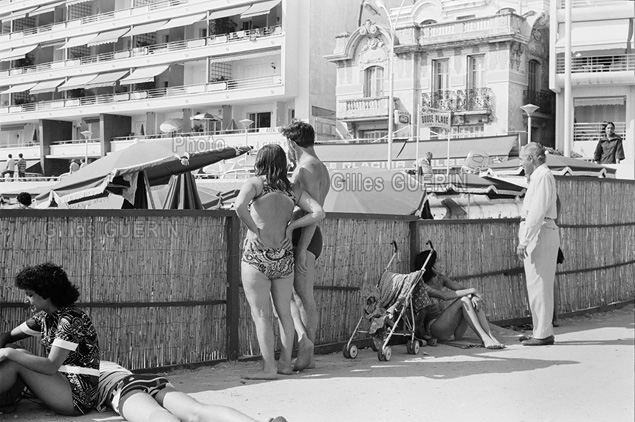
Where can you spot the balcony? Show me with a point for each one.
(543, 99)
(170, 48)
(586, 136)
(195, 94)
(503, 26)
(600, 69)
(363, 108)
(593, 3)
(468, 100)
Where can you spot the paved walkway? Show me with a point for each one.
(587, 376)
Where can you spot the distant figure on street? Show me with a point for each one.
(21, 166)
(538, 242)
(424, 166)
(73, 167)
(311, 175)
(83, 164)
(9, 168)
(609, 149)
(142, 398)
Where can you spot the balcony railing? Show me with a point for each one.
(494, 26)
(363, 107)
(94, 18)
(593, 131)
(543, 99)
(612, 63)
(177, 91)
(475, 99)
(593, 3)
(151, 49)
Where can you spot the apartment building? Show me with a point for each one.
(601, 79)
(81, 78)
(481, 60)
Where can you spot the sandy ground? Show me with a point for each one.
(588, 375)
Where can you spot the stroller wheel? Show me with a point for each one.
(385, 354)
(410, 347)
(415, 347)
(352, 351)
(345, 352)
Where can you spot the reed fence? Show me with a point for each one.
(163, 287)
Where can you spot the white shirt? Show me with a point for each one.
(539, 203)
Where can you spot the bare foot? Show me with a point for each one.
(305, 359)
(493, 344)
(260, 375)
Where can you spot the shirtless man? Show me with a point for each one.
(312, 176)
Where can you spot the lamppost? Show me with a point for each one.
(529, 109)
(87, 134)
(391, 85)
(246, 123)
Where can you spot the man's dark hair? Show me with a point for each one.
(20, 155)
(10, 156)
(49, 281)
(24, 198)
(300, 132)
(420, 259)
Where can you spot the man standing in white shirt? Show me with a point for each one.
(539, 239)
(9, 168)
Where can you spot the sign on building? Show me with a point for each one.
(436, 119)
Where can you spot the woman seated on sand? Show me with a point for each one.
(66, 378)
(265, 205)
(452, 322)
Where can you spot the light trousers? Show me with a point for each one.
(540, 273)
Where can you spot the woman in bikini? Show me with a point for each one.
(265, 205)
(66, 379)
(466, 309)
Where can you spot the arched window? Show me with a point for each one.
(374, 82)
(428, 22)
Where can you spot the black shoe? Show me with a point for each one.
(525, 338)
(539, 341)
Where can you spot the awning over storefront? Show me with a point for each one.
(106, 79)
(108, 37)
(217, 14)
(77, 41)
(586, 36)
(46, 86)
(76, 82)
(145, 28)
(144, 74)
(19, 14)
(183, 21)
(348, 155)
(16, 53)
(598, 101)
(19, 88)
(259, 9)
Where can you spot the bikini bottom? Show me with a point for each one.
(273, 263)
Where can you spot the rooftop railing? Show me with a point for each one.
(176, 91)
(592, 3)
(151, 49)
(475, 99)
(499, 25)
(610, 63)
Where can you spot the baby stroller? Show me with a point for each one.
(388, 306)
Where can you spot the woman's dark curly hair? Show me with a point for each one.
(271, 162)
(49, 281)
(420, 259)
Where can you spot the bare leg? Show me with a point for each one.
(257, 291)
(306, 317)
(187, 408)
(281, 292)
(54, 390)
(138, 406)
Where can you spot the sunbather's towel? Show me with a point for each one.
(393, 286)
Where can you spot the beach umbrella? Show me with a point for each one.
(206, 117)
(171, 125)
(558, 164)
(182, 193)
(154, 160)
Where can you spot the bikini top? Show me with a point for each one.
(267, 189)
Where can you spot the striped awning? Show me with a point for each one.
(77, 41)
(108, 37)
(19, 88)
(19, 14)
(106, 79)
(600, 35)
(218, 14)
(77, 82)
(46, 8)
(144, 74)
(46, 86)
(145, 28)
(259, 9)
(183, 21)
(17, 53)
